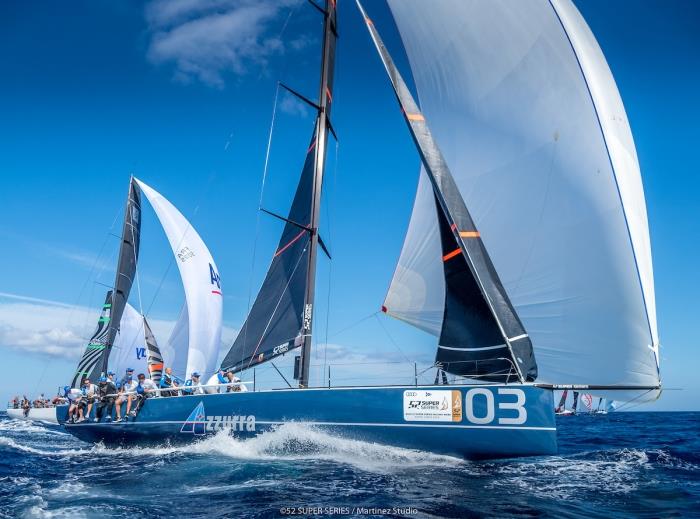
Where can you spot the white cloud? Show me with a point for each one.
(293, 106)
(49, 328)
(206, 38)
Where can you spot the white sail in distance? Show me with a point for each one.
(129, 349)
(524, 107)
(201, 282)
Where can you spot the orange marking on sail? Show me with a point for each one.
(155, 367)
(451, 255)
(469, 234)
(313, 145)
(415, 117)
(368, 21)
(453, 227)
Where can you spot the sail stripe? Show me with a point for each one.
(469, 234)
(290, 243)
(452, 254)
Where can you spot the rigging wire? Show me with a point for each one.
(95, 263)
(257, 218)
(391, 339)
(330, 264)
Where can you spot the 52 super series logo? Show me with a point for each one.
(198, 423)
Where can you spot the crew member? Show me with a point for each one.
(193, 385)
(144, 389)
(168, 380)
(107, 391)
(126, 395)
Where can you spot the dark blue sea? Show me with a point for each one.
(616, 465)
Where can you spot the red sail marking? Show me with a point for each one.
(216, 292)
(290, 243)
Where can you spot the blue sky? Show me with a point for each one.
(94, 91)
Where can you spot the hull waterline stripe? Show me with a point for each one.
(343, 424)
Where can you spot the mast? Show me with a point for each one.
(321, 141)
(126, 267)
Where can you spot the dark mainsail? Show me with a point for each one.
(282, 315)
(482, 336)
(274, 324)
(96, 356)
(155, 359)
(90, 363)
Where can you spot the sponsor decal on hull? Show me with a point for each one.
(432, 406)
(198, 423)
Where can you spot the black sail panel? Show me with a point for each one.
(90, 365)
(274, 324)
(126, 266)
(154, 357)
(471, 343)
(466, 236)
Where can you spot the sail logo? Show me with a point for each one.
(307, 316)
(196, 421)
(282, 348)
(184, 254)
(140, 353)
(215, 279)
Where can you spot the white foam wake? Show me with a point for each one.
(290, 441)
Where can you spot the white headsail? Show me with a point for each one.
(129, 349)
(201, 282)
(521, 101)
(175, 350)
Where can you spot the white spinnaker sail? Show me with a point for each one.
(525, 110)
(129, 349)
(175, 350)
(200, 280)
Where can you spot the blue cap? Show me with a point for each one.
(103, 379)
(66, 388)
(110, 373)
(195, 374)
(129, 370)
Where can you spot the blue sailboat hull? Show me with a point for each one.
(467, 421)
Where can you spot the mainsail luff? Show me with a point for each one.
(126, 266)
(465, 235)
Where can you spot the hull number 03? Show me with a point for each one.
(480, 406)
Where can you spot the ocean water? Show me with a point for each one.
(616, 465)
